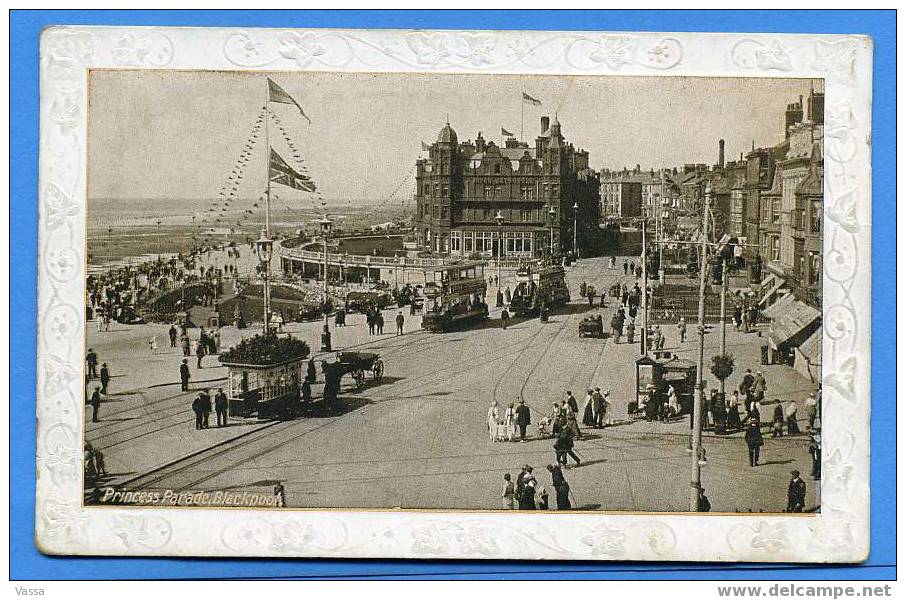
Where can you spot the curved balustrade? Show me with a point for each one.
(348, 260)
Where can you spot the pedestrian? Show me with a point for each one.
(795, 495)
(523, 419)
(207, 407)
(571, 402)
(777, 422)
(509, 493)
(704, 505)
(184, 375)
(616, 328)
(754, 441)
(814, 451)
(369, 318)
(504, 318)
(105, 378)
(759, 387)
(172, 333)
(279, 496)
(509, 422)
(221, 407)
(200, 352)
(673, 405)
(792, 421)
(311, 374)
(811, 412)
(306, 391)
(186, 345)
(589, 409)
(563, 447)
(215, 341)
(543, 499)
(625, 268)
(561, 487)
(95, 403)
(572, 422)
(630, 332)
(99, 467)
(153, 344)
(745, 386)
(92, 360)
(681, 326)
(379, 322)
(400, 319)
(493, 420)
(198, 409)
(525, 489)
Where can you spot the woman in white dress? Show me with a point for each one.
(493, 420)
(509, 422)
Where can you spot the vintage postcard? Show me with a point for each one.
(517, 295)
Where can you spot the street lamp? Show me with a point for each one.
(696, 482)
(499, 219)
(575, 223)
(552, 213)
(265, 249)
(325, 225)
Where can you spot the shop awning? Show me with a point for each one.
(794, 327)
(776, 283)
(811, 347)
(778, 309)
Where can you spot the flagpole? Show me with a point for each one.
(267, 212)
(522, 117)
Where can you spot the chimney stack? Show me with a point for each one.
(720, 153)
(545, 124)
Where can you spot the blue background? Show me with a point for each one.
(25, 28)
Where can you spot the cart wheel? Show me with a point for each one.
(378, 370)
(359, 377)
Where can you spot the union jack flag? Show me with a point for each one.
(282, 173)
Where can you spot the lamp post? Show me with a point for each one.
(696, 482)
(575, 227)
(265, 247)
(644, 329)
(551, 213)
(499, 219)
(325, 225)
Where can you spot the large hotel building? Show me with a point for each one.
(462, 187)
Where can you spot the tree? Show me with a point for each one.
(722, 366)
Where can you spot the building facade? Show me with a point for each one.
(477, 198)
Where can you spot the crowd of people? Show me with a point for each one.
(527, 493)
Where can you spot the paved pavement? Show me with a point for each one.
(418, 439)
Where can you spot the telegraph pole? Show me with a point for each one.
(723, 317)
(696, 483)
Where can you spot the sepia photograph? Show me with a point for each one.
(453, 292)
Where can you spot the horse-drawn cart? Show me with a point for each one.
(592, 326)
(357, 363)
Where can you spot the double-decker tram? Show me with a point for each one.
(539, 286)
(454, 294)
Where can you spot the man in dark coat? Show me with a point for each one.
(221, 407)
(525, 489)
(198, 409)
(504, 317)
(311, 374)
(95, 403)
(563, 446)
(523, 419)
(105, 378)
(92, 359)
(754, 441)
(560, 486)
(745, 386)
(172, 333)
(400, 319)
(184, 374)
(795, 494)
(571, 401)
(206, 407)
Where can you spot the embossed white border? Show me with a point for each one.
(839, 534)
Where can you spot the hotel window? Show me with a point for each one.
(497, 169)
(487, 192)
(526, 214)
(468, 241)
(775, 248)
(775, 210)
(528, 193)
(446, 190)
(498, 192)
(815, 217)
(455, 242)
(443, 212)
(486, 215)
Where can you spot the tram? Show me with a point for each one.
(537, 286)
(454, 295)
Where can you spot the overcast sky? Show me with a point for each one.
(172, 134)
